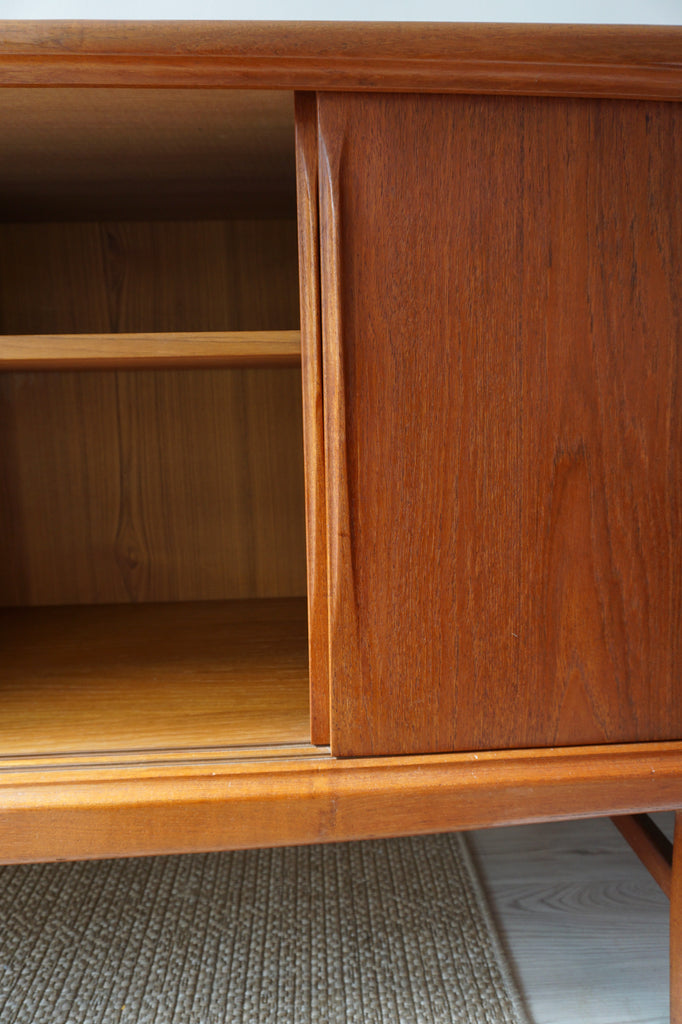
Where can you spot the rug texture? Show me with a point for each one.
(383, 932)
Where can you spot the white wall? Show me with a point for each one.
(617, 12)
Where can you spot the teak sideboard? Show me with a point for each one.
(340, 434)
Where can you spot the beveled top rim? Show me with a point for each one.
(587, 60)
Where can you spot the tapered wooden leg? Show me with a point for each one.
(676, 926)
(652, 847)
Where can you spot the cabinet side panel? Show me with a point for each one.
(504, 358)
(313, 424)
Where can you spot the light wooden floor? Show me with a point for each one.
(584, 923)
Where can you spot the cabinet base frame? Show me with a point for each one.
(98, 811)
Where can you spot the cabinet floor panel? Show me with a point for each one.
(112, 678)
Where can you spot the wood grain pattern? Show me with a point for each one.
(638, 62)
(100, 811)
(120, 277)
(188, 349)
(504, 440)
(313, 417)
(120, 678)
(151, 485)
(116, 154)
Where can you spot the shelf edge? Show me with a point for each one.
(152, 350)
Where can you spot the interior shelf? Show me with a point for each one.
(175, 676)
(179, 349)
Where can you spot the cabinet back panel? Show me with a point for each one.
(84, 154)
(70, 278)
(501, 284)
(155, 485)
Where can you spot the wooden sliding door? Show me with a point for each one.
(501, 316)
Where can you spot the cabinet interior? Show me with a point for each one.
(152, 527)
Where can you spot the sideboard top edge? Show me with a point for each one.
(622, 61)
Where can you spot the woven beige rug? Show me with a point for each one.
(382, 932)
